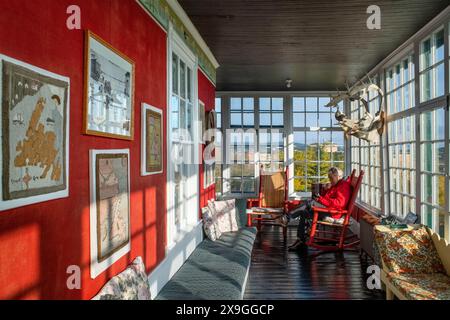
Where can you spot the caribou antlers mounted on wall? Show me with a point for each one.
(369, 127)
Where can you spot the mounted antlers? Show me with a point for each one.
(369, 127)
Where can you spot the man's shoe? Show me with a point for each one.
(284, 220)
(296, 245)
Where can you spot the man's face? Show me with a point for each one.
(334, 178)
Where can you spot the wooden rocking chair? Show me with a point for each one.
(328, 236)
(272, 202)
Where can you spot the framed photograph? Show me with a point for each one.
(152, 142)
(109, 90)
(110, 207)
(35, 141)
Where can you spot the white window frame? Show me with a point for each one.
(176, 45)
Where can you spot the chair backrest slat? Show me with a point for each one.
(272, 190)
(355, 185)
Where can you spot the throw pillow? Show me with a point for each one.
(131, 284)
(225, 213)
(210, 225)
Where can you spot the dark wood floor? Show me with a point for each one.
(276, 273)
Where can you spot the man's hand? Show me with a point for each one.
(326, 186)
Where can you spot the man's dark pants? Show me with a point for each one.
(304, 212)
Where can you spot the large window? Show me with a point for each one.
(367, 155)
(318, 142)
(270, 133)
(400, 86)
(241, 173)
(433, 169)
(218, 147)
(432, 72)
(402, 167)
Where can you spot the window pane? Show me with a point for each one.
(322, 104)
(236, 119)
(298, 104)
(311, 104)
(182, 79)
(249, 119)
(264, 104)
(439, 51)
(277, 119)
(426, 54)
(311, 120)
(264, 119)
(189, 84)
(277, 104)
(299, 120)
(175, 73)
(440, 79)
(235, 104)
(325, 120)
(248, 104)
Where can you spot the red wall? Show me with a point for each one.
(39, 242)
(206, 93)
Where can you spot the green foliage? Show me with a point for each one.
(313, 162)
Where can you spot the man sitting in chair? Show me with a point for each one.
(337, 195)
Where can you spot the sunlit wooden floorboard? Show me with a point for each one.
(276, 273)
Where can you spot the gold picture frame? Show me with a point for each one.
(109, 89)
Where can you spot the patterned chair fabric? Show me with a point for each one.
(420, 286)
(131, 284)
(409, 251)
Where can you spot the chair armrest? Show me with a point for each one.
(327, 210)
(253, 203)
(292, 204)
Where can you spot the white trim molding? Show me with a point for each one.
(175, 258)
(179, 11)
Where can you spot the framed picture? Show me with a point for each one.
(109, 90)
(110, 207)
(152, 143)
(35, 141)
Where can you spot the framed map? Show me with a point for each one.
(110, 207)
(109, 90)
(34, 126)
(151, 149)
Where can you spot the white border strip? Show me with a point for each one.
(179, 11)
(98, 267)
(174, 260)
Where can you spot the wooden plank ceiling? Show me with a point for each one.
(318, 44)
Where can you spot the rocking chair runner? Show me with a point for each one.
(272, 202)
(323, 232)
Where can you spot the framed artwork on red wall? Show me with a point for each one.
(110, 207)
(152, 142)
(109, 90)
(34, 153)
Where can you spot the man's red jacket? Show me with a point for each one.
(337, 197)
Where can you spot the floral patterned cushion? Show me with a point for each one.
(210, 224)
(408, 251)
(131, 284)
(419, 286)
(225, 213)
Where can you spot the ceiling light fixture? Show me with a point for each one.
(288, 83)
